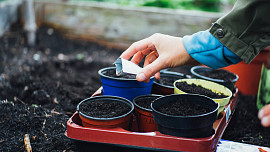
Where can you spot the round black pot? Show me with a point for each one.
(197, 72)
(163, 89)
(197, 126)
(111, 122)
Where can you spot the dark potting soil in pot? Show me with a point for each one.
(167, 80)
(197, 89)
(183, 107)
(217, 74)
(145, 102)
(104, 108)
(112, 73)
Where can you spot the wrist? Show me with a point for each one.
(207, 50)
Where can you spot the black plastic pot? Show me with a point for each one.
(163, 89)
(112, 122)
(197, 126)
(197, 72)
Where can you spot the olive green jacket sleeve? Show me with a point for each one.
(245, 30)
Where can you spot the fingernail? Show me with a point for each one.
(260, 114)
(141, 76)
(265, 121)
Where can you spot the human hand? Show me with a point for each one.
(264, 116)
(161, 51)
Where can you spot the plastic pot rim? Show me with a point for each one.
(109, 77)
(149, 95)
(170, 73)
(106, 96)
(229, 96)
(201, 115)
(192, 70)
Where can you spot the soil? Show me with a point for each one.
(145, 102)
(45, 126)
(216, 74)
(112, 73)
(104, 108)
(53, 76)
(44, 84)
(245, 126)
(167, 80)
(183, 107)
(185, 69)
(197, 89)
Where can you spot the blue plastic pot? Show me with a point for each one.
(122, 87)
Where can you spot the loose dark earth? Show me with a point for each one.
(197, 89)
(183, 107)
(43, 86)
(40, 88)
(216, 74)
(167, 80)
(104, 108)
(145, 102)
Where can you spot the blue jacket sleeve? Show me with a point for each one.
(207, 50)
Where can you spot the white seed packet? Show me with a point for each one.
(125, 66)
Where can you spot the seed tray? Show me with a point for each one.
(153, 141)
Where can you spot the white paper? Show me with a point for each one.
(230, 146)
(130, 67)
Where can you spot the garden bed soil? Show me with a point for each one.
(40, 88)
(197, 89)
(44, 84)
(219, 74)
(245, 126)
(104, 108)
(145, 102)
(183, 107)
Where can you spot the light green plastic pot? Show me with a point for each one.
(217, 88)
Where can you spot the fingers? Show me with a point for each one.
(138, 46)
(264, 116)
(140, 55)
(265, 121)
(264, 111)
(150, 58)
(150, 70)
(157, 75)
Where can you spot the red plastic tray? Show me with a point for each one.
(152, 140)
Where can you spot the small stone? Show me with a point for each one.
(50, 31)
(25, 88)
(36, 57)
(61, 56)
(55, 101)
